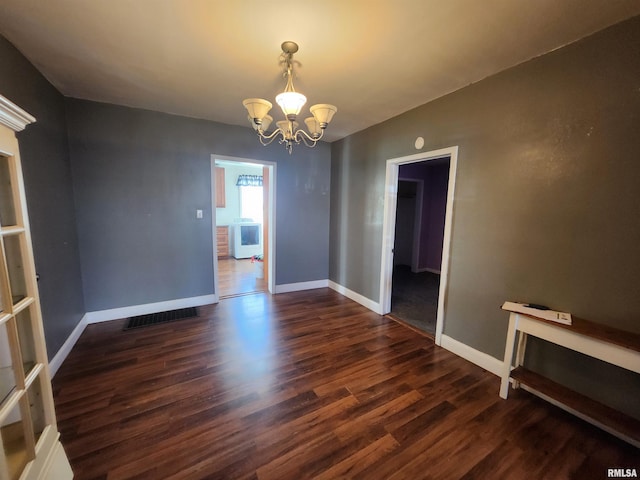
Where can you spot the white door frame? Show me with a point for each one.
(389, 222)
(271, 268)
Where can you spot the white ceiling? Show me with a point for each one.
(374, 59)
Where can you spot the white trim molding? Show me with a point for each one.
(135, 310)
(123, 312)
(271, 211)
(481, 359)
(356, 297)
(389, 222)
(297, 287)
(13, 116)
(66, 347)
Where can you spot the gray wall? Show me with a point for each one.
(546, 205)
(47, 175)
(139, 177)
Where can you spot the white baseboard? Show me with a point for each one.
(66, 347)
(356, 297)
(296, 287)
(135, 310)
(123, 312)
(489, 363)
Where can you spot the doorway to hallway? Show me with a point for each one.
(418, 211)
(419, 233)
(243, 197)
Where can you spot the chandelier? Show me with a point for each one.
(291, 102)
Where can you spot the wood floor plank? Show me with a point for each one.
(304, 385)
(355, 463)
(376, 415)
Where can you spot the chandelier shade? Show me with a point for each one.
(323, 113)
(288, 128)
(266, 122)
(291, 103)
(313, 126)
(264, 125)
(257, 107)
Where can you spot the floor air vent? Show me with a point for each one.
(162, 317)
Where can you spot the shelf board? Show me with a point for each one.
(614, 421)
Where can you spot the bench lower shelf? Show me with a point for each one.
(613, 421)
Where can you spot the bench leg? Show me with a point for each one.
(508, 356)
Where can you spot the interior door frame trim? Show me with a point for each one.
(388, 229)
(272, 218)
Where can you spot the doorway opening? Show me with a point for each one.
(243, 219)
(418, 211)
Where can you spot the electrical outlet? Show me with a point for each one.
(198, 213)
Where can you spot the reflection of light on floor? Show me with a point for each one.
(252, 350)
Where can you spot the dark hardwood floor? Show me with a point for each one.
(305, 385)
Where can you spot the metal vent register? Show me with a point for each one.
(161, 317)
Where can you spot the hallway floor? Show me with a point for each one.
(414, 297)
(238, 277)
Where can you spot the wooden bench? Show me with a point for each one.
(611, 345)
